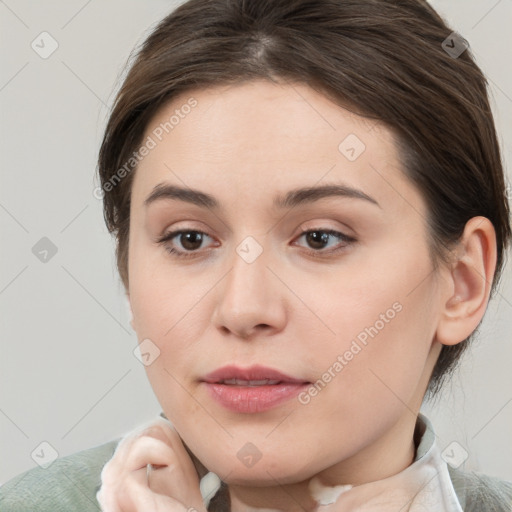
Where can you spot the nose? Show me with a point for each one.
(251, 300)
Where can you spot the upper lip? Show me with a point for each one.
(256, 372)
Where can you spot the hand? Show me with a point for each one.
(171, 486)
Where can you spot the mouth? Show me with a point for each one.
(241, 382)
(256, 375)
(252, 390)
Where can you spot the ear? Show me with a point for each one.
(469, 280)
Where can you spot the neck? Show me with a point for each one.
(387, 456)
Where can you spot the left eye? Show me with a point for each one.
(318, 238)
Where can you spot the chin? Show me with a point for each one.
(271, 472)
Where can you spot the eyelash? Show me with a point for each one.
(314, 253)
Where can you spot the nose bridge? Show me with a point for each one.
(249, 297)
(249, 275)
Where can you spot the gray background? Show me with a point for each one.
(68, 375)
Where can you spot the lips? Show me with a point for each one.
(252, 376)
(251, 390)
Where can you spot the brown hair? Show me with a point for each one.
(384, 60)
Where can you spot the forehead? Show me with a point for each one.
(260, 135)
(245, 116)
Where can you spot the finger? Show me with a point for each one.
(165, 431)
(148, 450)
(155, 426)
(175, 474)
(145, 450)
(135, 496)
(180, 472)
(171, 481)
(114, 468)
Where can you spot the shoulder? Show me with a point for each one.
(478, 492)
(69, 483)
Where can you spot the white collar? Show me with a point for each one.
(423, 486)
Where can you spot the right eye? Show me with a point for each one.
(189, 239)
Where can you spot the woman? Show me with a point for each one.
(310, 219)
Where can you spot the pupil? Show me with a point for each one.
(318, 239)
(191, 238)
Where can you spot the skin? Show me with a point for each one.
(289, 310)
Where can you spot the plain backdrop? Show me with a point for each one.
(68, 374)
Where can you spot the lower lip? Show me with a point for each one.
(252, 399)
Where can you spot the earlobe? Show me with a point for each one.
(469, 282)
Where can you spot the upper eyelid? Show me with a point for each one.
(319, 225)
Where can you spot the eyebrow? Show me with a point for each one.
(291, 199)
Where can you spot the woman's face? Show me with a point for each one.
(353, 313)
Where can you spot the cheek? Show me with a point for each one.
(166, 316)
(169, 310)
(169, 313)
(381, 325)
(162, 295)
(373, 365)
